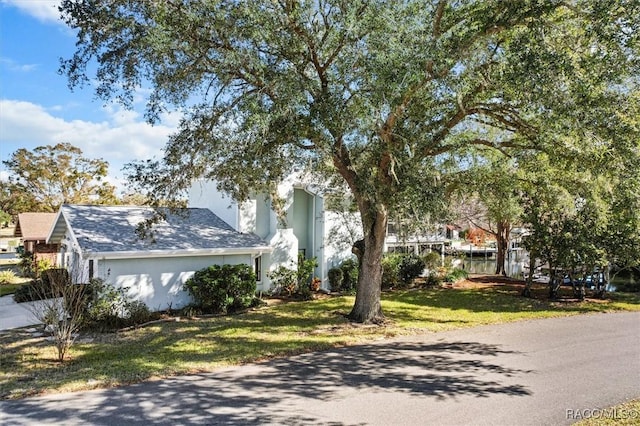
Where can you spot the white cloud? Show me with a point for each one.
(12, 65)
(120, 139)
(43, 10)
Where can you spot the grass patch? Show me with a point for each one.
(9, 282)
(27, 365)
(6, 289)
(627, 414)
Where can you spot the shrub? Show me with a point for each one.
(137, 312)
(223, 289)
(26, 264)
(432, 260)
(304, 273)
(350, 272)
(42, 266)
(294, 282)
(284, 280)
(31, 268)
(110, 308)
(35, 290)
(8, 277)
(433, 279)
(456, 274)
(391, 270)
(51, 284)
(315, 284)
(63, 313)
(54, 275)
(628, 287)
(190, 311)
(335, 278)
(410, 267)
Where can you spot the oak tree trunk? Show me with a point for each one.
(367, 308)
(502, 245)
(526, 292)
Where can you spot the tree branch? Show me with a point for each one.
(438, 18)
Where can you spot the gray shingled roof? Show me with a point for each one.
(102, 229)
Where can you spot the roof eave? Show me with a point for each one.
(176, 253)
(55, 225)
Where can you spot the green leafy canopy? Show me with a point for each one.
(379, 93)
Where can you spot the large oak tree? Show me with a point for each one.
(381, 92)
(51, 175)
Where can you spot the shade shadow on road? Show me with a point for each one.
(274, 391)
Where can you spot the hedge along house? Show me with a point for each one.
(305, 227)
(102, 242)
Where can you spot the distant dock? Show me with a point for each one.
(471, 250)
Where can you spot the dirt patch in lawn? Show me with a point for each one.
(539, 291)
(484, 281)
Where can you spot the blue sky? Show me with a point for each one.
(37, 107)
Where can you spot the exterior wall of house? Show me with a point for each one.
(204, 194)
(255, 216)
(158, 282)
(41, 251)
(155, 281)
(302, 221)
(29, 245)
(324, 235)
(341, 231)
(69, 257)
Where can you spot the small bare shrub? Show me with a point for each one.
(60, 308)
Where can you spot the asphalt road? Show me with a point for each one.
(527, 373)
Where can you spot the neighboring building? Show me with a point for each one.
(438, 240)
(307, 227)
(102, 242)
(33, 229)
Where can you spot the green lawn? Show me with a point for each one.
(8, 289)
(27, 365)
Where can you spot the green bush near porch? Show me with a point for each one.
(222, 289)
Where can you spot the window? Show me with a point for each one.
(257, 268)
(91, 269)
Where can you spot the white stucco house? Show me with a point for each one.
(308, 227)
(101, 242)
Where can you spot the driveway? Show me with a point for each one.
(542, 372)
(15, 315)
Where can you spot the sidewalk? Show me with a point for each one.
(15, 315)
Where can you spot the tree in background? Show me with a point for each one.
(14, 201)
(134, 199)
(5, 218)
(487, 196)
(382, 94)
(582, 212)
(49, 176)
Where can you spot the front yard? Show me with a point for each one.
(182, 346)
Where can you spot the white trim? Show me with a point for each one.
(67, 229)
(176, 253)
(55, 223)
